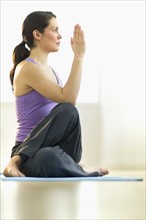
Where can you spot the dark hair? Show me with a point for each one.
(37, 20)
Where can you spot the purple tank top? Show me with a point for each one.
(31, 109)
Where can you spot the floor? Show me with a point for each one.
(75, 200)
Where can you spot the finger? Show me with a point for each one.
(79, 31)
(76, 31)
(71, 40)
(81, 36)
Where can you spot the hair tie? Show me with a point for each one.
(24, 43)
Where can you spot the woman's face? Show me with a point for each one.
(50, 39)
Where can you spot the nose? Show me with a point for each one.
(59, 36)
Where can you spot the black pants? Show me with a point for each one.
(54, 148)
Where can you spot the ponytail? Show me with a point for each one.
(20, 53)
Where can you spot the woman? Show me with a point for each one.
(48, 139)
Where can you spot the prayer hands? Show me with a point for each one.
(78, 41)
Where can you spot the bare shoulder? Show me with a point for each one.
(31, 76)
(25, 73)
(25, 67)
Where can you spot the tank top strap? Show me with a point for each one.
(29, 59)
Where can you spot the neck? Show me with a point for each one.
(39, 56)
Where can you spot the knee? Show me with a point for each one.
(69, 110)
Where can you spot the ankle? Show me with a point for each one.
(16, 160)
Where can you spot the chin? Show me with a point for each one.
(55, 50)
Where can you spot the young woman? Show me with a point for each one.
(48, 139)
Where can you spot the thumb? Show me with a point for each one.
(71, 41)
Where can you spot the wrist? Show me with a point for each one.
(78, 57)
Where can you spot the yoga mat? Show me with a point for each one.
(68, 179)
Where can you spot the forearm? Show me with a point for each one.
(72, 86)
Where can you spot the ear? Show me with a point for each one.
(36, 34)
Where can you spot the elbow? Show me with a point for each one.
(71, 101)
(68, 98)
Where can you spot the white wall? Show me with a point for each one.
(114, 123)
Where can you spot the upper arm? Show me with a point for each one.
(35, 78)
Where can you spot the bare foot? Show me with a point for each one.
(12, 169)
(101, 171)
